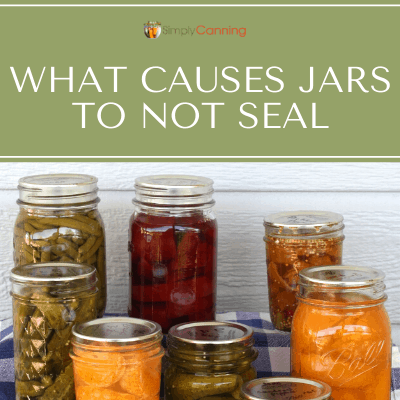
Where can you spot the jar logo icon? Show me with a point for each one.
(152, 30)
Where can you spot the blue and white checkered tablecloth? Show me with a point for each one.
(273, 347)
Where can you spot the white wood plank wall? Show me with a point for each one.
(367, 194)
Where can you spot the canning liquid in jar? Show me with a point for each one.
(296, 240)
(209, 360)
(59, 222)
(173, 250)
(117, 358)
(341, 332)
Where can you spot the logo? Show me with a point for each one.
(152, 30)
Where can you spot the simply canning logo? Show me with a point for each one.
(203, 30)
(152, 30)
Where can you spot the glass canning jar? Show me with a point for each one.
(173, 250)
(341, 332)
(285, 388)
(296, 240)
(117, 358)
(48, 299)
(208, 360)
(59, 221)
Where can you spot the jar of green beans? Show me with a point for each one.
(59, 221)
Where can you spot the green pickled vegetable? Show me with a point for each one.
(192, 387)
(42, 341)
(65, 236)
(62, 388)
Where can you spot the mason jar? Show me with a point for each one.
(48, 299)
(59, 221)
(285, 388)
(208, 360)
(173, 250)
(341, 332)
(296, 240)
(117, 358)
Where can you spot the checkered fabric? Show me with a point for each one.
(273, 348)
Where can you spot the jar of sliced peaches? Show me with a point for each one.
(296, 240)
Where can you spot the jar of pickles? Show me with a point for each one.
(173, 250)
(48, 299)
(341, 332)
(59, 221)
(117, 359)
(208, 360)
(285, 388)
(296, 240)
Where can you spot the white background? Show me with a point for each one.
(367, 194)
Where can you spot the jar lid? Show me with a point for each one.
(178, 190)
(303, 223)
(340, 276)
(285, 388)
(57, 189)
(211, 333)
(117, 330)
(67, 275)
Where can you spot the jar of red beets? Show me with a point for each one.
(173, 250)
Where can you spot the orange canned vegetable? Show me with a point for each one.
(117, 358)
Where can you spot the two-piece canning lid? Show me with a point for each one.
(343, 279)
(285, 388)
(174, 190)
(303, 223)
(120, 331)
(67, 276)
(57, 189)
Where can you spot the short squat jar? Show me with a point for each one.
(117, 358)
(285, 388)
(208, 360)
(296, 240)
(48, 299)
(59, 221)
(341, 332)
(173, 250)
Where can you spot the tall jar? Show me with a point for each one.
(117, 358)
(285, 388)
(341, 332)
(296, 240)
(59, 221)
(208, 360)
(48, 299)
(173, 250)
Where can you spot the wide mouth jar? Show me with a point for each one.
(56, 190)
(211, 346)
(160, 191)
(285, 388)
(342, 286)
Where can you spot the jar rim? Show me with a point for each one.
(57, 189)
(324, 390)
(340, 276)
(210, 333)
(174, 190)
(116, 330)
(52, 272)
(303, 223)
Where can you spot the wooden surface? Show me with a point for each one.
(367, 194)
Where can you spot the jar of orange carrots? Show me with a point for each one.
(117, 359)
(341, 332)
(296, 240)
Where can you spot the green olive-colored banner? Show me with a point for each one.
(176, 83)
